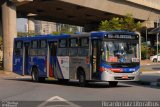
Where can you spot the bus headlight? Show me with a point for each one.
(135, 72)
(109, 71)
(103, 69)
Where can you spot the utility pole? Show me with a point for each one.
(157, 39)
(146, 32)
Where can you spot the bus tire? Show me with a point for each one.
(113, 83)
(82, 79)
(41, 79)
(34, 75)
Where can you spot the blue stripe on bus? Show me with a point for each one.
(125, 70)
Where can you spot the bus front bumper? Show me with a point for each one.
(111, 76)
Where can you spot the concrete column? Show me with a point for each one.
(0, 25)
(148, 23)
(9, 33)
(31, 25)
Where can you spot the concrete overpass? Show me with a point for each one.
(86, 13)
(82, 12)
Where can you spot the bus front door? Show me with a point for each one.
(25, 59)
(96, 49)
(52, 59)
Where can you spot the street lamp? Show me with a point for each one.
(146, 32)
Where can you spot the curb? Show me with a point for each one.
(7, 74)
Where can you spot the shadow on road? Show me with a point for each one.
(155, 68)
(141, 84)
(72, 83)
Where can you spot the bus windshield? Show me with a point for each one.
(120, 52)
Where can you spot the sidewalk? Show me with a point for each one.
(148, 66)
(8, 74)
(148, 62)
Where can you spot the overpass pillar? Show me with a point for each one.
(148, 24)
(9, 33)
(0, 25)
(31, 25)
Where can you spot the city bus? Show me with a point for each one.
(97, 56)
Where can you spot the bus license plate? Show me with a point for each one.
(125, 77)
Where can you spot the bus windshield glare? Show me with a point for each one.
(120, 52)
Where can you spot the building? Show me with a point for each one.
(44, 27)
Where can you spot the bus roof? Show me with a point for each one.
(94, 34)
(101, 34)
(39, 37)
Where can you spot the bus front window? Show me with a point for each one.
(120, 52)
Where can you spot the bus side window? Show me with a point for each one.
(18, 48)
(63, 48)
(53, 48)
(84, 47)
(34, 46)
(73, 44)
(42, 47)
(43, 44)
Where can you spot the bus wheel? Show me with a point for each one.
(113, 83)
(41, 79)
(82, 79)
(34, 75)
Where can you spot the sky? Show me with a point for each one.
(21, 24)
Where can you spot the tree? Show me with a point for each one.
(126, 23)
(23, 34)
(66, 29)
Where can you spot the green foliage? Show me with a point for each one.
(126, 23)
(23, 34)
(147, 51)
(56, 33)
(66, 29)
(115, 24)
(105, 25)
(144, 51)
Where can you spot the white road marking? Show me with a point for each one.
(57, 99)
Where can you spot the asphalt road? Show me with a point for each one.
(151, 67)
(23, 89)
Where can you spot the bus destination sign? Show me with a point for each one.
(116, 36)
